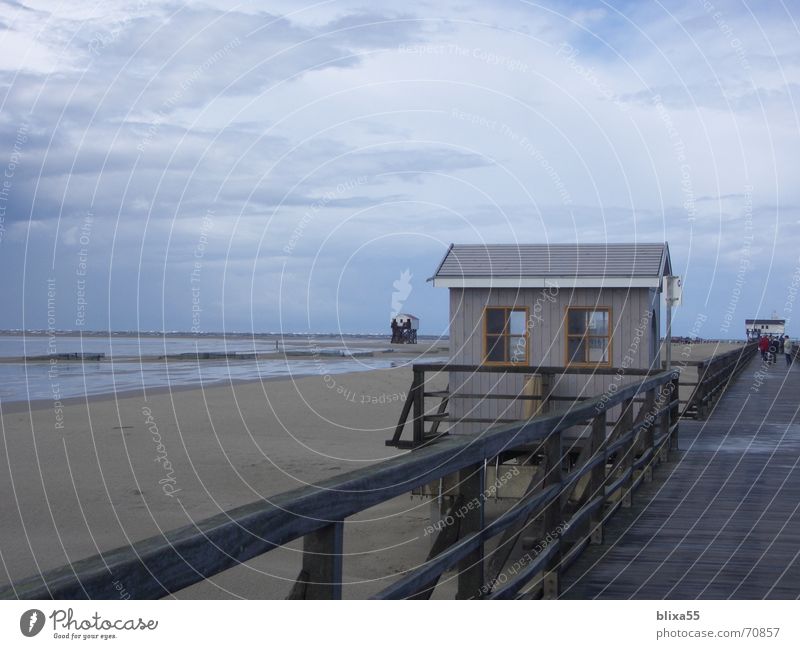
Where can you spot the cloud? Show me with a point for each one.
(337, 128)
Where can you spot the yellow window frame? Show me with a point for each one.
(607, 337)
(505, 334)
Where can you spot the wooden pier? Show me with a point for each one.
(653, 505)
(560, 494)
(722, 519)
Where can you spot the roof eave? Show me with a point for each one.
(666, 262)
(546, 281)
(441, 263)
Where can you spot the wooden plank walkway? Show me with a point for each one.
(721, 519)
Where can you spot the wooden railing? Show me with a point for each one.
(419, 413)
(714, 374)
(571, 501)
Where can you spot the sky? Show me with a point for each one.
(282, 166)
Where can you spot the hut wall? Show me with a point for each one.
(632, 344)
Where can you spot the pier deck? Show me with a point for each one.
(722, 518)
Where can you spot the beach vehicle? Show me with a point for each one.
(404, 328)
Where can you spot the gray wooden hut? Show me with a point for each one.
(590, 306)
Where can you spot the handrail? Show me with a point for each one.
(713, 375)
(415, 410)
(532, 369)
(164, 564)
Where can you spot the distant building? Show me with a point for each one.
(758, 328)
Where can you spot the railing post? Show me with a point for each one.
(472, 488)
(664, 421)
(547, 389)
(626, 425)
(597, 481)
(675, 413)
(401, 423)
(552, 518)
(649, 432)
(701, 390)
(715, 367)
(321, 576)
(418, 397)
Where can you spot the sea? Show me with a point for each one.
(134, 362)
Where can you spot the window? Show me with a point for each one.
(588, 336)
(505, 339)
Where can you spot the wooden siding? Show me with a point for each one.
(547, 343)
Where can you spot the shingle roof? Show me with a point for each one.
(555, 260)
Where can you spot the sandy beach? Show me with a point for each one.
(104, 471)
(107, 471)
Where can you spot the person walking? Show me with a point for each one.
(787, 350)
(763, 347)
(773, 350)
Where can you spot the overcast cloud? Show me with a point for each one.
(282, 166)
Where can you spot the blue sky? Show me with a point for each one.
(278, 166)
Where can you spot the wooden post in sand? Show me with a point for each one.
(472, 488)
(321, 575)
